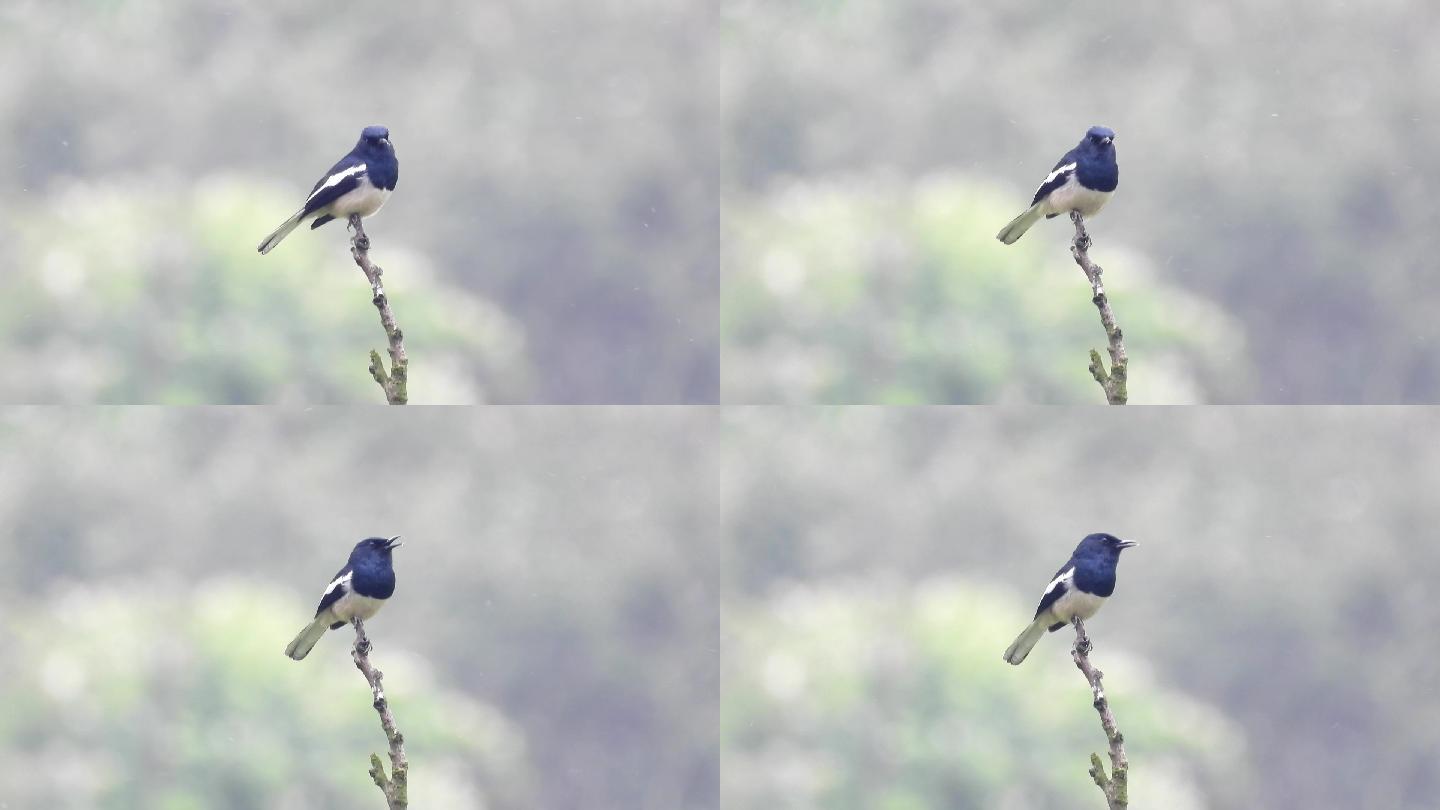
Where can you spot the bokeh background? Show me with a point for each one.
(552, 642)
(552, 238)
(1270, 643)
(1270, 240)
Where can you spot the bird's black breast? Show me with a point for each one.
(376, 583)
(383, 168)
(1098, 172)
(1095, 577)
(386, 174)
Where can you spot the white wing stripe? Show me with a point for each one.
(345, 580)
(1065, 579)
(335, 179)
(1068, 167)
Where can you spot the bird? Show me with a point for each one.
(356, 591)
(1082, 180)
(1079, 588)
(358, 183)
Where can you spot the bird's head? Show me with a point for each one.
(1100, 138)
(1102, 544)
(376, 546)
(376, 137)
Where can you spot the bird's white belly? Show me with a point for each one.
(353, 604)
(1076, 603)
(364, 200)
(1074, 197)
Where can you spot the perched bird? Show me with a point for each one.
(358, 184)
(1079, 588)
(1081, 181)
(358, 590)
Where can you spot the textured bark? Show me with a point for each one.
(1116, 784)
(396, 784)
(391, 381)
(1111, 381)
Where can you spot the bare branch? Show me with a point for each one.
(393, 381)
(1115, 785)
(396, 785)
(1112, 381)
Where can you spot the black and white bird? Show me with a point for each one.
(358, 183)
(1082, 180)
(356, 591)
(1079, 588)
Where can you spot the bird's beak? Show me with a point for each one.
(393, 543)
(1106, 141)
(1128, 544)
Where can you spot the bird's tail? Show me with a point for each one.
(281, 232)
(1017, 227)
(301, 646)
(1025, 641)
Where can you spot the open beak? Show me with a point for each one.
(394, 543)
(1106, 141)
(1128, 544)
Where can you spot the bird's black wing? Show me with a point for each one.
(1059, 175)
(342, 178)
(1058, 588)
(339, 586)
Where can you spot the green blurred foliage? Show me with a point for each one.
(860, 290)
(858, 695)
(1275, 160)
(133, 696)
(159, 304)
(1281, 576)
(558, 162)
(558, 565)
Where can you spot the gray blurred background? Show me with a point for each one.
(1270, 644)
(1271, 239)
(552, 238)
(551, 643)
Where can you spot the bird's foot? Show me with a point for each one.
(362, 241)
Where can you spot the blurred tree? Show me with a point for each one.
(856, 696)
(557, 159)
(1275, 158)
(558, 563)
(160, 302)
(1275, 577)
(871, 291)
(141, 696)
